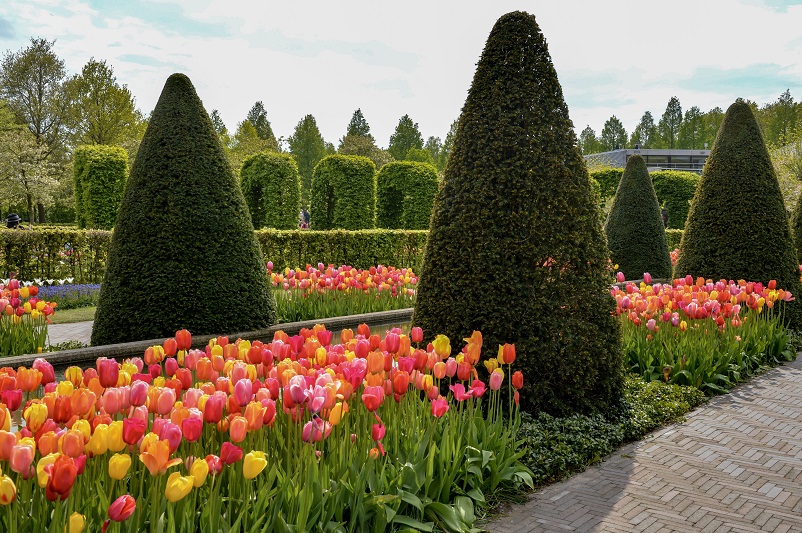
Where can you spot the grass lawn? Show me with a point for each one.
(81, 314)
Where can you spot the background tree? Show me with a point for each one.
(26, 173)
(245, 143)
(257, 116)
(448, 145)
(420, 155)
(366, 147)
(613, 135)
(516, 197)
(406, 136)
(712, 122)
(435, 148)
(183, 231)
(759, 246)
(645, 133)
(692, 130)
(781, 119)
(670, 122)
(358, 125)
(307, 148)
(634, 228)
(220, 127)
(588, 142)
(100, 110)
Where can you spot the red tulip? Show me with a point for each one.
(439, 407)
(378, 431)
(213, 410)
(133, 430)
(12, 399)
(184, 376)
(48, 374)
(183, 339)
(401, 382)
(62, 476)
(464, 370)
(108, 372)
(192, 428)
(229, 453)
(215, 464)
(478, 388)
(518, 379)
(170, 366)
(170, 347)
(372, 397)
(122, 508)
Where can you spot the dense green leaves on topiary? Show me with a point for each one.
(183, 253)
(737, 227)
(100, 173)
(404, 195)
(673, 238)
(343, 193)
(675, 190)
(516, 248)
(635, 233)
(272, 188)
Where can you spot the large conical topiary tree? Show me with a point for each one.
(516, 248)
(183, 253)
(737, 227)
(635, 233)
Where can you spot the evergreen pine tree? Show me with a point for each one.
(635, 233)
(516, 248)
(183, 253)
(738, 227)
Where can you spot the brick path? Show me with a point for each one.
(734, 466)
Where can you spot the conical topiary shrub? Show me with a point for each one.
(516, 248)
(737, 227)
(634, 227)
(183, 253)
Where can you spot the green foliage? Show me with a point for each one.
(257, 116)
(359, 249)
(358, 125)
(738, 227)
(634, 227)
(272, 189)
(406, 136)
(515, 248)
(343, 193)
(405, 192)
(669, 125)
(308, 148)
(364, 146)
(608, 179)
(55, 253)
(556, 447)
(645, 133)
(183, 247)
(100, 175)
(673, 238)
(613, 135)
(675, 190)
(421, 155)
(588, 142)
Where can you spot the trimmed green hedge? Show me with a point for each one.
(675, 190)
(100, 173)
(607, 178)
(673, 238)
(343, 193)
(61, 253)
(405, 192)
(272, 188)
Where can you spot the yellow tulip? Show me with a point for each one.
(336, 414)
(491, 365)
(253, 464)
(64, 388)
(27, 441)
(147, 441)
(84, 427)
(442, 346)
(99, 441)
(77, 522)
(41, 475)
(8, 491)
(199, 471)
(115, 436)
(129, 367)
(5, 418)
(119, 465)
(159, 381)
(178, 486)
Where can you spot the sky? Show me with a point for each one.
(328, 58)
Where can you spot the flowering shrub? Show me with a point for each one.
(24, 319)
(292, 434)
(324, 292)
(700, 333)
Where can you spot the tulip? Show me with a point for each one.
(133, 430)
(372, 397)
(647, 278)
(464, 370)
(439, 407)
(199, 470)
(21, 459)
(72, 443)
(253, 464)
(401, 382)
(119, 465)
(61, 478)
(496, 377)
(115, 439)
(459, 392)
(178, 487)
(451, 367)
(213, 410)
(192, 428)
(8, 491)
(254, 414)
(506, 354)
(229, 453)
(122, 508)
(35, 416)
(43, 468)
(215, 464)
(477, 388)
(76, 523)
(416, 334)
(620, 277)
(518, 379)
(157, 457)
(172, 434)
(316, 430)
(243, 392)
(48, 374)
(238, 429)
(377, 431)
(439, 370)
(28, 379)
(7, 442)
(442, 346)
(108, 372)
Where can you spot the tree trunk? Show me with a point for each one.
(41, 208)
(29, 199)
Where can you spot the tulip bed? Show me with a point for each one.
(328, 291)
(292, 435)
(24, 319)
(700, 333)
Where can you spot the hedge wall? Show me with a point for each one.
(54, 253)
(405, 192)
(271, 185)
(61, 253)
(343, 193)
(607, 178)
(100, 173)
(673, 238)
(675, 190)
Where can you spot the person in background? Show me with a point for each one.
(664, 214)
(13, 221)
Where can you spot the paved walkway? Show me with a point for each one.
(77, 331)
(735, 465)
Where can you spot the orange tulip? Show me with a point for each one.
(157, 458)
(28, 379)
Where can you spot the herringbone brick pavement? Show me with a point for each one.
(734, 466)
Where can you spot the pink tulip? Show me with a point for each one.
(316, 430)
(496, 378)
(459, 392)
(243, 392)
(620, 277)
(416, 334)
(230, 453)
(48, 374)
(21, 459)
(166, 401)
(439, 407)
(172, 434)
(192, 428)
(647, 278)
(451, 367)
(108, 372)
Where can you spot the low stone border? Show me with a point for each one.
(81, 356)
